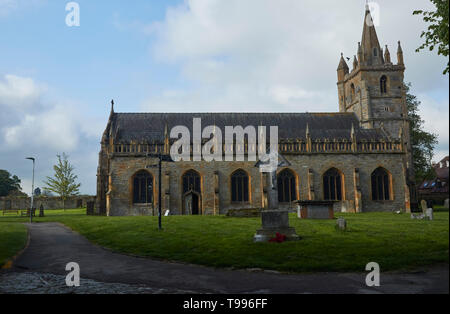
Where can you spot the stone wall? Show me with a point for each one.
(18, 203)
(216, 183)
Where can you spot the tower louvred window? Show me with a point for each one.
(383, 84)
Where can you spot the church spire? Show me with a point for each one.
(387, 55)
(369, 43)
(400, 54)
(355, 63)
(342, 69)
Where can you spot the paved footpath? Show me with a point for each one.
(53, 245)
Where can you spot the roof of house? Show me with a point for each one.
(149, 127)
(441, 169)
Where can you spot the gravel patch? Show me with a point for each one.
(41, 283)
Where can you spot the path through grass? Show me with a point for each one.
(394, 241)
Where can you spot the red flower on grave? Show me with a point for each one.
(279, 238)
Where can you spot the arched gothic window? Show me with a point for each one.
(332, 185)
(240, 187)
(287, 187)
(191, 181)
(143, 188)
(383, 84)
(381, 185)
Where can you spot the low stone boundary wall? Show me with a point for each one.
(18, 203)
(244, 213)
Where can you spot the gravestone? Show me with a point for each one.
(299, 211)
(429, 213)
(423, 205)
(341, 224)
(41, 211)
(90, 208)
(446, 203)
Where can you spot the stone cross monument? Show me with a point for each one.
(274, 219)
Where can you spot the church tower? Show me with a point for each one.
(373, 89)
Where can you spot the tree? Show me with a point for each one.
(422, 142)
(437, 33)
(64, 181)
(8, 183)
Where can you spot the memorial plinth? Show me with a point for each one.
(273, 222)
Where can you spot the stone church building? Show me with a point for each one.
(359, 157)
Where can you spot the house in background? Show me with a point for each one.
(436, 189)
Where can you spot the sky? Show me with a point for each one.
(56, 81)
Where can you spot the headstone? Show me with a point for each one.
(167, 213)
(446, 203)
(299, 211)
(41, 211)
(90, 208)
(423, 205)
(429, 213)
(341, 224)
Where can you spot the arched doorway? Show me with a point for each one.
(192, 193)
(191, 203)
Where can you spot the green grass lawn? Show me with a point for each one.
(13, 238)
(394, 241)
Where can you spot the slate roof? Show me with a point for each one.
(149, 127)
(442, 172)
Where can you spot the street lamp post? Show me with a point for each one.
(32, 189)
(161, 158)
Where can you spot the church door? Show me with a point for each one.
(192, 204)
(192, 193)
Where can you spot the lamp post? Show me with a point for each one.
(32, 189)
(161, 158)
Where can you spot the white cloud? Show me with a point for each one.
(435, 115)
(32, 123)
(252, 53)
(53, 129)
(6, 6)
(19, 92)
(266, 55)
(9, 6)
(29, 120)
